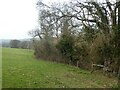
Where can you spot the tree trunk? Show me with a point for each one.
(69, 62)
(118, 41)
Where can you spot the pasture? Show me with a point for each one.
(20, 69)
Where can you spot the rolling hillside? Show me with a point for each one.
(22, 70)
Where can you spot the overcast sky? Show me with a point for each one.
(17, 17)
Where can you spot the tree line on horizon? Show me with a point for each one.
(25, 44)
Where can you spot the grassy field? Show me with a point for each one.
(0, 67)
(22, 70)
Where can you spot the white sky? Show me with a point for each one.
(18, 17)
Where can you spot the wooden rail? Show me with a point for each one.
(105, 69)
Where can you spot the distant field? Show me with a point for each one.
(22, 70)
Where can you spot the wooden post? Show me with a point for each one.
(119, 77)
(77, 63)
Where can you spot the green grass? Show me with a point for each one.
(0, 67)
(22, 70)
